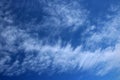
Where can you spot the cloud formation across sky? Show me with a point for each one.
(23, 49)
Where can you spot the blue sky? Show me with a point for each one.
(59, 39)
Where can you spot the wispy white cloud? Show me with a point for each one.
(65, 14)
(5, 12)
(108, 33)
(39, 56)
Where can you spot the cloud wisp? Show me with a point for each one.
(21, 52)
(39, 57)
